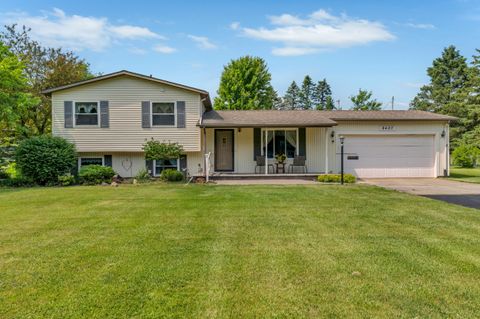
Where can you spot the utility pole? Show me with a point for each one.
(338, 104)
(393, 101)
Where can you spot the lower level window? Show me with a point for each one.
(161, 165)
(84, 161)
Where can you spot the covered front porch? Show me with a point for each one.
(267, 143)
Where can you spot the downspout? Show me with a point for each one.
(447, 149)
(204, 146)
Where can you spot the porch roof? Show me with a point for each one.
(265, 118)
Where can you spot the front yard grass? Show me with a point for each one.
(201, 251)
(471, 175)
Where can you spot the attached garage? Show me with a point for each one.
(381, 156)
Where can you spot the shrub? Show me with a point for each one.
(44, 158)
(143, 176)
(171, 175)
(19, 181)
(466, 156)
(96, 174)
(336, 178)
(12, 171)
(66, 180)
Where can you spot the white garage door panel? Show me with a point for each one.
(390, 156)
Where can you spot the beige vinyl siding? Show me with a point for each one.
(401, 128)
(128, 164)
(243, 150)
(125, 133)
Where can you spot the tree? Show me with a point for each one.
(13, 91)
(44, 68)
(453, 90)
(363, 101)
(292, 96)
(448, 75)
(306, 93)
(330, 104)
(245, 85)
(322, 96)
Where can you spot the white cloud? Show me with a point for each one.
(160, 48)
(426, 26)
(133, 32)
(293, 51)
(76, 32)
(202, 42)
(235, 25)
(319, 31)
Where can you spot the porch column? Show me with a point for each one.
(266, 152)
(326, 150)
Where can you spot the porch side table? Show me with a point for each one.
(280, 167)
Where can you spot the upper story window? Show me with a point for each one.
(163, 114)
(86, 113)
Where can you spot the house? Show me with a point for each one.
(110, 117)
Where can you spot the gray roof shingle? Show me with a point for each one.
(309, 118)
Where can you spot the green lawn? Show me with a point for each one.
(471, 175)
(235, 251)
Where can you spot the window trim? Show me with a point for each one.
(279, 129)
(155, 166)
(79, 161)
(75, 113)
(174, 113)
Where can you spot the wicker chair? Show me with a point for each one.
(298, 161)
(261, 163)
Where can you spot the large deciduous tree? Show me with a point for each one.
(363, 101)
(44, 68)
(245, 85)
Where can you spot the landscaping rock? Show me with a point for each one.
(356, 274)
(105, 184)
(135, 182)
(114, 184)
(117, 178)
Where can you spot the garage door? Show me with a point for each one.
(390, 156)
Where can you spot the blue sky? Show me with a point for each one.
(383, 46)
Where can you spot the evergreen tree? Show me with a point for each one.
(448, 76)
(329, 104)
(322, 96)
(453, 90)
(363, 101)
(245, 85)
(306, 93)
(292, 96)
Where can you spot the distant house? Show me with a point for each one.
(110, 117)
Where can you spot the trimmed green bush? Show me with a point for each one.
(143, 176)
(336, 178)
(466, 156)
(44, 158)
(171, 175)
(95, 174)
(19, 181)
(66, 180)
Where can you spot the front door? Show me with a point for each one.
(224, 150)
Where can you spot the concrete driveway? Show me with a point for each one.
(465, 194)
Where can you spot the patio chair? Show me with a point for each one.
(261, 163)
(298, 161)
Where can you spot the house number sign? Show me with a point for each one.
(387, 127)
